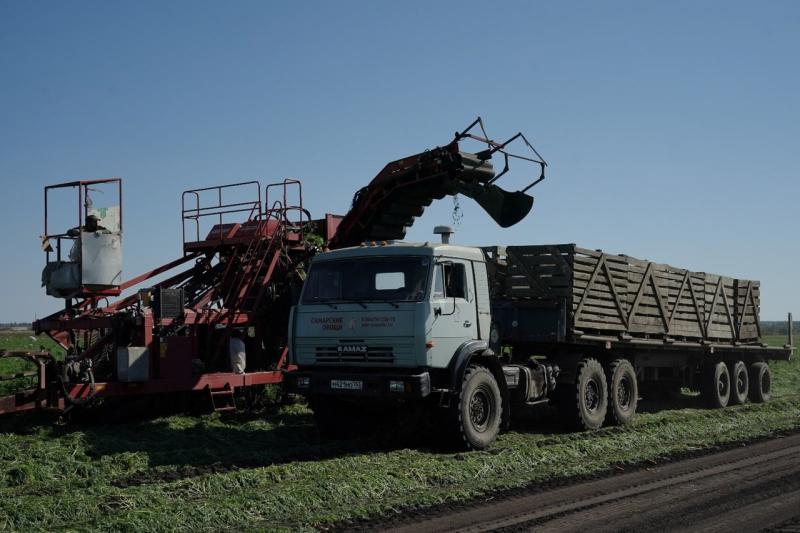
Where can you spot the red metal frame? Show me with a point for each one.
(232, 267)
(83, 211)
(253, 208)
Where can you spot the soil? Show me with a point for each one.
(750, 487)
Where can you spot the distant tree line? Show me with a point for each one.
(778, 327)
(7, 325)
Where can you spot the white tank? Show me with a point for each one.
(101, 259)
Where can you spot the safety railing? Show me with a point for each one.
(288, 206)
(210, 202)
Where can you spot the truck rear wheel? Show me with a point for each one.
(716, 389)
(584, 404)
(479, 409)
(623, 392)
(760, 382)
(739, 382)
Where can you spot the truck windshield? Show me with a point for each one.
(378, 279)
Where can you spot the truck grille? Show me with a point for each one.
(354, 353)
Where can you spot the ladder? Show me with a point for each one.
(222, 399)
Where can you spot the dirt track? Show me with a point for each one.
(750, 488)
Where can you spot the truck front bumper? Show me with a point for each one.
(321, 382)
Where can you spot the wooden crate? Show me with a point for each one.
(620, 295)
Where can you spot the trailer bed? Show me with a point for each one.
(563, 293)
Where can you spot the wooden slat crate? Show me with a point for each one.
(622, 295)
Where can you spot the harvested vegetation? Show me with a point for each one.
(272, 472)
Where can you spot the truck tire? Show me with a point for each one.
(479, 409)
(739, 382)
(716, 389)
(760, 382)
(584, 404)
(623, 392)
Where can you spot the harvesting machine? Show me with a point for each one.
(168, 331)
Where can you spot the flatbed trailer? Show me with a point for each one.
(550, 296)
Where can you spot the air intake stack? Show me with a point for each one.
(445, 232)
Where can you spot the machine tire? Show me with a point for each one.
(623, 392)
(760, 382)
(716, 390)
(479, 409)
(584, 404)
(740, 384)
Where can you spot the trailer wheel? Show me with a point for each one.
(716, 390)
(584, 404)
(623, 392)
(760, 382)
(479, 409)
(739, 382)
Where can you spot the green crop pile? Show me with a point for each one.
(271, 472)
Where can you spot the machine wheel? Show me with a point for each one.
(623, 392)
(584, 404)
(479, 409)
(739, 382)
(716, 390)
(760, 382)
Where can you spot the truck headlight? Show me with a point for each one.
(303, 382)
(397, 386)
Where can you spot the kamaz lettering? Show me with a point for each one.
(351, 349)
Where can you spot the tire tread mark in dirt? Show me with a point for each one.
(524, 511)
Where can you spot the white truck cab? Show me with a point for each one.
(398, 321)
(391, 305)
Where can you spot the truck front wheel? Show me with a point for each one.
(584, 404)
(479, 409)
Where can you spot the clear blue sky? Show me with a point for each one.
(672, 129)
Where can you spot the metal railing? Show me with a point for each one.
(192, 215)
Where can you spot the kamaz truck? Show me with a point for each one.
(478, 334)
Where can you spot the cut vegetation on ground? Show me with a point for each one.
(272, 472)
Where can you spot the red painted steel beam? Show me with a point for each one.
(160, 386)
(155, 272)
(17, 403)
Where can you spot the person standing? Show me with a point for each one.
(237, 352)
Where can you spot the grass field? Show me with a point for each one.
(271, 472)
(26, 342)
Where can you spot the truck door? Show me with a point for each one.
(453, 302)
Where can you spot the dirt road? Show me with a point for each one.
(751, 488)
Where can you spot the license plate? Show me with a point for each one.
(346, 384)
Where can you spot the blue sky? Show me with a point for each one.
(671, 128)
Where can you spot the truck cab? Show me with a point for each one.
(398, 306)
(395, 321)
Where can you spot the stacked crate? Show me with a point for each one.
(622, 296)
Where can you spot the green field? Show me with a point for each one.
(23, 341)
(271, 471)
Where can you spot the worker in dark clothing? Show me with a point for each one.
(91, 225)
